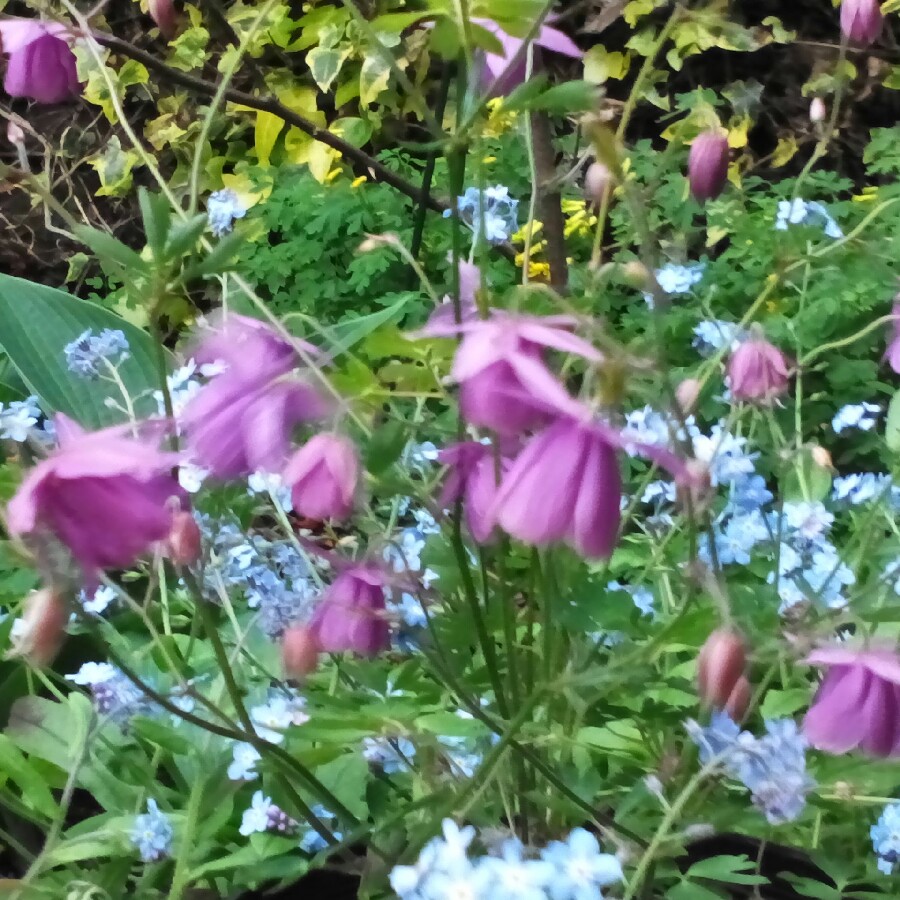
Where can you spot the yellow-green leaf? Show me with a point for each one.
(373, 78)
(784, 151)
(601, 65)
(268, 127)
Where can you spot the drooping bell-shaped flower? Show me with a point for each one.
(323, 476)
(708, 165)
(861, 21)
(105, 495)
(40, 64)
(351, 613)
(509, 72)
(858, 702)
(504, 383)
(241, 421)
(473, 478)
(444, 315)
(892, 354)
(758, 371)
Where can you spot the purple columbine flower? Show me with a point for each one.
(444, 315)
(757, 371)
(472, 477)
(105, 495)
(858, 703)
(861, 21)
(504, 384)
(509, 74)
(892, 354)
(41, 64)
(323, 475)
(708, 165)
(351, 613)
(241, 421)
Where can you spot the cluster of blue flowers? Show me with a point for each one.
(771, 767)
(714, 335)
(90, 355)
(222, 208)
(264, 815)
(19, 418)
(673, 278)
(810, 213)
(115, 696)
(885, 834)
(152, 834)
(861, 487)
(282, 709)
(574, 869)
(310, 839)
(863, 416)
(274, 578)
(491, 214)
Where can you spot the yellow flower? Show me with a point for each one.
(498, 121)
(520, 236)
(359, 181)
(539, 270)
(332, 175)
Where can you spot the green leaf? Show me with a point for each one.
(114, 256)
(32, 783)
(574, 96)
(687, 890)
(38, 322)
(346, 777)
(385, 446)
(726, 868)
(345, 334)
(184, 235)
(325, 65)
(784, 703)
(373, 77)
(157, 215)
(218, 259)
(524, 95)
(892, 423)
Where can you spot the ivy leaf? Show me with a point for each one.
(373, 78)
(325, 64)
(268, 127)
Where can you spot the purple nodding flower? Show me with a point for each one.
(241, 421)
(472, 478)
(351, 614)
(504, 383)
(861, 21)
(508, 72)
(41, 64)
(892, 354)
(164, 14)
(858, 702)
(444, 315)
(757, 371)
(708, 165)
(323, 475)
(105, 495)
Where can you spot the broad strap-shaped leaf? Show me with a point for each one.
(37, 322)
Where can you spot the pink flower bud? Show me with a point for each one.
(687, 393)
(323, 475)
(14, 133)
(757, 371)
(693, 485)
(739, 699)
(638, 275)
(183, 544)
(163, 13)
(44, 627)
(720, 666)
(299, 652)
(708, 165)
(821, 457)
(861, 21)
(817, 111)
(597, 180)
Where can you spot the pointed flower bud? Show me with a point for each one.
(757, 371)
(299, 652)
(14, 133)
(817, 111)
(184, 545)
(163, 13)
(597, 180)
(720, 667)
(43, 628)
(739, 699)
(687, 394)
(861, 21)
(708, 165)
